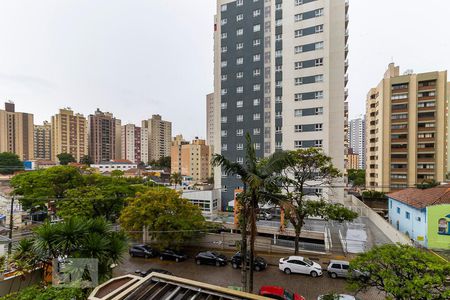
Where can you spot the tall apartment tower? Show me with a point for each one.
(102, 136)
(69, 134)
(134, 144)
(357, 140)
(407, 128)
(118, 144)
(159, 137)
(43, 141)
(16, 132)
(210, 119)
(280, 76)
(175, 153)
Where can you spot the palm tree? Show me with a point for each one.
(259, 178)
(176, 178)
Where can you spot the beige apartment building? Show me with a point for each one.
(43, 141)
(406, 129)
(16, 132)
(159, 137)
(69, 134)
(102, 137)
(191, 159)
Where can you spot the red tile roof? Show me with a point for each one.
(422, 198)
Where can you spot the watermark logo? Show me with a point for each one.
(75, 272)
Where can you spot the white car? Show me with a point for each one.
(340, 297)
(301, 265)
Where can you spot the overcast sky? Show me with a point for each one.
(136, 58)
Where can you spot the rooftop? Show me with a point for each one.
(419, 198)
(164, 287)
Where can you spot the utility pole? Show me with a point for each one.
(11, 225)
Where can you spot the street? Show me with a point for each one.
(226, 276)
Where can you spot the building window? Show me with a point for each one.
(239, 147)
(256, 42)
(256, 87)
(224, 63)
(257, 28)
(239, 89)
(398, 210)
(239, 61)
(240, 160)
(223, 120)
(256, 72)
(223, 105)
(240, 32)
(224, 77)
(223, 7)
(224, 92)
(223, 133)
(239, 132)
(318, 28)
(239, 2)
(239, 103)
(256, 102)
(256, 12)
(223, 35)
(297, 144)
(239, 46)
(256, 131)
(240, 118)
(224, 147)
(239, 17)
(298, 17)
(318, 62)
(239, 75)
(407, 215)
(256, 57)
(256, 117)
(224, 49)
(319, 45)
(278, 22)
(257, 146)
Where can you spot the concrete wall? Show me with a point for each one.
(15, 284)
(363, 210)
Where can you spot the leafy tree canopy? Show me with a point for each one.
(66, 158)
(10, 163)
(402, 272)
(86, 160)
(170, 219)
(357, 177)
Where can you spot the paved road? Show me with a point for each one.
(307, 286)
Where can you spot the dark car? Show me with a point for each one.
(145, 273)
(170, 254)
(142, 251)
(211, 258)
(258, 265)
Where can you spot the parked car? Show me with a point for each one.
(340, 268)
(211, 258)
(170, 254)
(339, 297)
(259, 263)
(264, 215)
(151, 270)
(301, 265)
(142, 251)
(276, 292)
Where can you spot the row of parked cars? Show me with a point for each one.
(202, 258)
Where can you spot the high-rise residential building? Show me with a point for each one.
(16, 132)
(353, 158)
(210, 119)
(191, 159)
(159, 137)
(280, 76)
(102, 136)
(69, 134)
(43, 141)
(134, 144)
(175, 153)
(406, 129)
(357, 139)
(118, 144)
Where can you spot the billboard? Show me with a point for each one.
(438, 219)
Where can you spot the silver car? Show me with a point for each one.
(338, 268)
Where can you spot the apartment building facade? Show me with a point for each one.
(175, 153)
(16, 132)
(357, 140)
(102, 136)
(407, 129)
(69, 134)
(159, 133)
(210, 119)
(134, 144)
(43, 141)
(191, 159)
(280, 76)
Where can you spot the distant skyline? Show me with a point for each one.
(139, 58)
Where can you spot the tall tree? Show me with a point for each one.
(402, 272)
(357, 177)
(66, 158)
(259, 178)
(86, 160)
(308, 169)
(10, 163)
(176, 178)
(169, 219)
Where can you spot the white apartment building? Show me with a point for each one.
(357, 139)
(134, 142)
(280, 75)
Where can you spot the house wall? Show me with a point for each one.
(415, 226)
(438, 230)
